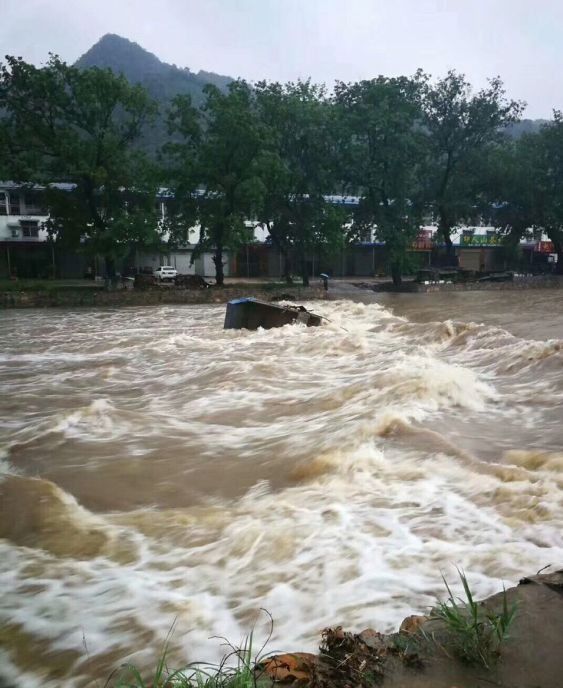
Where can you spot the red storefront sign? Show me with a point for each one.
(423, 241)
(544, 247)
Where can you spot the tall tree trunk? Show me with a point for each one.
(304, 270)
(444, 229)
(287, 268)
(110, 270)
(284, 252)
(444, 222)
(556, 239)
(218, 260)
(450, 252)
(301, 242)
(396, 274)
(558, 245)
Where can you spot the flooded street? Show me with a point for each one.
(158, 469)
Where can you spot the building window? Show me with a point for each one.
(15, 233)
(30, 229)
(14, 204)
(33, 201)
(3, 208)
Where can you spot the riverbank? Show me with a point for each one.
(511, 640)
(412, 287)
(91, 296)
(429, 652)
(74, 294)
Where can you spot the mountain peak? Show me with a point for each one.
(163, 81)
(121, 55)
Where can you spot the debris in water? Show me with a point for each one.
(250, 314)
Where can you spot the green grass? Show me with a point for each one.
(470, 630)
(48, 285)
(236, 670)
(475, 633)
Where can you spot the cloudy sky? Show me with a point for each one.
(520, 40)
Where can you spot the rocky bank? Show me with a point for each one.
(423, 654)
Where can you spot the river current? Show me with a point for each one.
(158, 471)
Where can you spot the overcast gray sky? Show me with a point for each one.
(520, 40)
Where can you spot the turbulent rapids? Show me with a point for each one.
(156, 468)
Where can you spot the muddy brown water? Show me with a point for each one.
(158, 469)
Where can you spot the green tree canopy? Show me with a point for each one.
(301, 160)
(221, 151)
(383, 156)
(66, 124)
(550, 182)
(460, 126)
(523, 180)
(511, 187)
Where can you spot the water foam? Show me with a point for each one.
(345, 446)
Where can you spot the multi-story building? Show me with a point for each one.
(27, 250)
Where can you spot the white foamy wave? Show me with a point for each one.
(327, 474)
(96, 419)
(363, 544)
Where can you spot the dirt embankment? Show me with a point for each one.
(518, 283)
(426, 652)
(70, 298)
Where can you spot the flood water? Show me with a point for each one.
(158, 470)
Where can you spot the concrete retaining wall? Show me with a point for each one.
(70, 298)
(531, 282)
(535, 282)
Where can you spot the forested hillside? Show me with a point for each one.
(161, 80)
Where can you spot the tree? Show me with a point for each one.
(180, 160)
(384, 154)
(511, 193)
(80, 126)
(273, 212)
(524, 184)
(223, 158)
(551, 182)
(460, 126)
(300, 164)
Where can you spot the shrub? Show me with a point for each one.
(475, 632)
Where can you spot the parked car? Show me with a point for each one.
(165, 272)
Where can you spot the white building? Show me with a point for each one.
(22, 216)
(23, 238)
(25, 249)
(26, 252)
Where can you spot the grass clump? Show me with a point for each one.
(238, 669)
(475, 632)
(44, 285)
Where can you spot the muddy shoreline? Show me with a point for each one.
(69, 297)
(425, 652)
(412, 287)
(92, 297)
